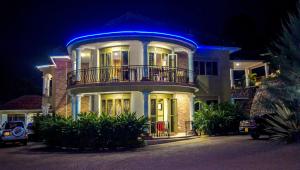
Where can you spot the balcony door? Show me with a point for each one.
(114, 63)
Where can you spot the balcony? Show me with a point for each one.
(137, 73)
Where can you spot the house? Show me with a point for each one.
(158, 75)
(23, 109)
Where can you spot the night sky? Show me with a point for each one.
(32, 30)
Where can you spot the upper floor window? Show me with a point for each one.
(206, 67)
(161, 57)
(114, 56)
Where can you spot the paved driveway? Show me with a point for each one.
(235, 152)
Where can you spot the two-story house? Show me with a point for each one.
(157, 75)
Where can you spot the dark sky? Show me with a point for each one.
(30, 30)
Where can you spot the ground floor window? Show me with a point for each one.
(16, 117)
(115, 104)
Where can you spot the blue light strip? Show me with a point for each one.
(134, 32)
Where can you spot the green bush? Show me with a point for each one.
(218, 119)
(91, 130)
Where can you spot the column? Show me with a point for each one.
(46, 84)
(146, 103)
(231, 78)
(145, 60)
(192, 111)
(266, 70)
(191, 66)
(78, 63)
(76, 105)
(247, 77)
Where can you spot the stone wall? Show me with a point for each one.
(182, 60)
(85, 104)
(183, 111)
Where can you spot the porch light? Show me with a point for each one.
(237, 64)
(116, 53)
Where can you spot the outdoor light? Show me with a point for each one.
(6, 134)
(237, 64)
(116, 53)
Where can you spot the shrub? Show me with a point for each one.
(284, 124)
(218, 119)
(91, 130)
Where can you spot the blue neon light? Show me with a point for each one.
(134, 32)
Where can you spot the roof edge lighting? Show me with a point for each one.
(134, 32)
(52, 60)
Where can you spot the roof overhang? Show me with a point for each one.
(221, 48)
(43, 67)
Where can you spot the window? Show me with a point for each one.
(115, 106)
(206, 67)
(209, 102)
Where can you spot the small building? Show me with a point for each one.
(21, 109)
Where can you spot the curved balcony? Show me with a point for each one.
(138, 73)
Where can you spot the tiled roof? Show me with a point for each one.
(27, 102)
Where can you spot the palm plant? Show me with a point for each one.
(283, 125)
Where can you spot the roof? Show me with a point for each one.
(27, 102)
(250, 55)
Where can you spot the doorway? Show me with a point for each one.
(163, 114)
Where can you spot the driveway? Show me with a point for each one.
(234, 152)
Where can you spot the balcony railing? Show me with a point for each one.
(139, 73)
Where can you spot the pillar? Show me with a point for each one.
(247, 77)
(146, 103)
(145, 59)
(266, 70)
(78, 63)
(46, 84)
(76, 105)
(231, 78)
(192, 101)
(191, 66)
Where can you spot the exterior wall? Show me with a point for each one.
(136, 53)
(59, 84)
(85, 104)
(183, 111)
(182, 60)
(211, 86)
(137, 103)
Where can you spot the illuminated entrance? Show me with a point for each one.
(163, 114)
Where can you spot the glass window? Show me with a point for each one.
(214, 68)
(209, 68)
(124, 57)
(196, 106)
(126, 105)
(103, 106)
(108, 59)
(102, 60)
(151, 59)
(110, 107)
(196, 67)
(209, 102)
(202, 68)
(118, 103)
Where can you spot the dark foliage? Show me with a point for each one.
(91, 131)
(218, 119)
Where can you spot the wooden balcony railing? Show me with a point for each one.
(128, 74)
